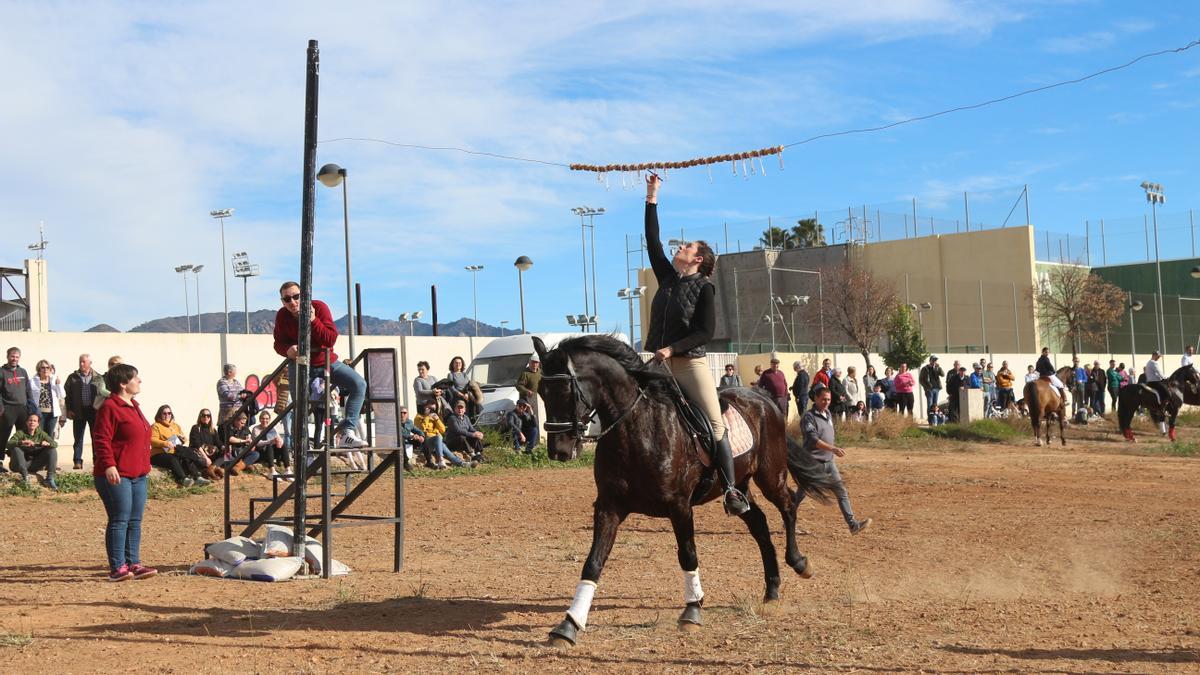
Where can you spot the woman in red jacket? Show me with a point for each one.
(121, 457)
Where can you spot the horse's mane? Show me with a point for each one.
(1185, 374)
(653, 380)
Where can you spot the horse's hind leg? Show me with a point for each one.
(756, 520)
(689, 562)
(787, 501)
(604, 533)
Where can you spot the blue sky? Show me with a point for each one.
(128, 122)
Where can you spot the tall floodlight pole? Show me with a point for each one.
(587, 215)
(332, 175)
(221, 215)
(595, 303)
(522, 264)
(1134, 306)
(474, 270)
(183, 270)
(629, 295)
(196, 270)
(1155, 195)
(243, 269)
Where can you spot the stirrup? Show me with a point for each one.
(735, 502)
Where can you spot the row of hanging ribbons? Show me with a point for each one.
(742, 161)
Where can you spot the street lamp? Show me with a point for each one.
(1134, 306)
(183, 270)
(590, 214)
(503, 323)
(920, 309)
(196, 270)
(791, 302)
(410, 318)
(1155, 195)
(332, 175)
(630, 294)
(221, 215)
(474, 270)
(523, 263)
(243, 270)
(1196, 272)
(571, 320)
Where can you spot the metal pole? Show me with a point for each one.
(1162, 339)
(725, 225)
(737, 309)
(1158, 326)
(1182, 342)
(521, 287)
(1087, 242)
(1132, 335)
(197, 302)
(1103, 245)
(434, 307)
(346, 227)
(1146, 231)
(475, 301)
(966, 211)
(358, 324)
(915, 217)
(224, 275)
(583, 254)
(187, 303)
(821, 305)
(246, 302)
(770, 289)
(1027, 222)
(595, 303)
(1192, 226)
(946, 308)
(307, 220)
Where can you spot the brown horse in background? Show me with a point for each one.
(1044, 401)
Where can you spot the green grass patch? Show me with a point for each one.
(75, 482)
(1176, 449)
(161, 486)
(1190, 418)
(986, 431)
(8, 639)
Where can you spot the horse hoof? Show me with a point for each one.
(804, 568)
(564, 634)
(689, 620)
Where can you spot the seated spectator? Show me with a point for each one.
(203, 438)
(461, 434)
(167, 450)
(440, 404)
(32, 449)
(875, 400)
(412, 438)
(270, 444)
(235, 437)
(523, 426)
(228, 392)
(432, 428)
(859, 412)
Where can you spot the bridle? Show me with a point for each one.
(578, 426)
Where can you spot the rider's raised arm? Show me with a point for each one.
(663, 269)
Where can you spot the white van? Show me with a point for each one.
(497, 366)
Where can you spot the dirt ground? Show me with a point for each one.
(982, 558)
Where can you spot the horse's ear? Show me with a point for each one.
(539, 347)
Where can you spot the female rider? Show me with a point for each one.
(682, 320)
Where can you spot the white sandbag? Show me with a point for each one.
(267, 569)
(211, 568)
(278, 543)
(338, 568)
(234, 550)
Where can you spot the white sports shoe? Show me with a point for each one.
(348, 439)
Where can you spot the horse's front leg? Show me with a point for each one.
(1062, 434)
(689, 562)
(604, 532)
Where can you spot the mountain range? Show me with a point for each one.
(263, 322)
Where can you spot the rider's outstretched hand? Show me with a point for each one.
(653, 182)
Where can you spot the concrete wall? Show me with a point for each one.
(182, 369)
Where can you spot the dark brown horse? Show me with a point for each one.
(1162, 400)
(1044, 401)
(1187, 379)
(648, 463)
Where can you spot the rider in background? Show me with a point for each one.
(1047, 371)
(682, 320)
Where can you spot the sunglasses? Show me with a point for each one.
(168, 413)
(206, 414)
(295, 297)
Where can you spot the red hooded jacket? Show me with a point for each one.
(121, 438)
(324, 332)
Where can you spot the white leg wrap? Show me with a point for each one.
(1163, 425)
(691, 587)
(582, 602)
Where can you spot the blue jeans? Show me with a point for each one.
(843, 497)
(440, 451)
(348, 381)
(124, 503)
(531, 440)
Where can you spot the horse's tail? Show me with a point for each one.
(809, 473)
(1126, 406)
(1031, 402)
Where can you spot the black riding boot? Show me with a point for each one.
(735, 502)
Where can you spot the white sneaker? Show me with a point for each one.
(348, 439)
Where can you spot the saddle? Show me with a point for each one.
(699, 427)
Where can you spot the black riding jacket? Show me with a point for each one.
(682, 314)
(1044, 367)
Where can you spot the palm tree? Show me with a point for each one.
(776, 237)
(808, 233)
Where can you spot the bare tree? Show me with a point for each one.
(1075, 305)
(859, 305)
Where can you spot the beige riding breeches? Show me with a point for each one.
(695, 379)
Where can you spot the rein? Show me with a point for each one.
(580, 426)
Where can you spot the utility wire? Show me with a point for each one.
(832, 134)
(974, 106)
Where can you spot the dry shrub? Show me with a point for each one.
(886, 427)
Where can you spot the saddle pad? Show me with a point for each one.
(740, 438)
